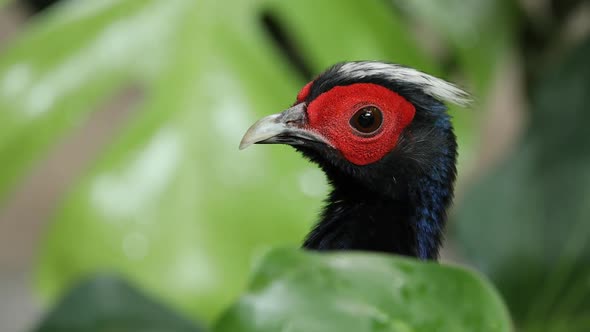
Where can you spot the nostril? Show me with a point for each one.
(294, 123)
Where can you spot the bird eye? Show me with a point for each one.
(367, 120)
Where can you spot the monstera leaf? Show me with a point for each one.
(356, 292)
(526, 225)
(169, 202)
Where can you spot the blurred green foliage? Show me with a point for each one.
(478, 32)
(533, 241)
(170, 203)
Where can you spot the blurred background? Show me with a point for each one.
(120, 121)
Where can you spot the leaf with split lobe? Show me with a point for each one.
(299, 291)
(169, 201)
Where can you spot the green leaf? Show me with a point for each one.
(359, 292)
(526, 225)
(107, 303)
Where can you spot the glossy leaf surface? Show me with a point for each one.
(301, 291)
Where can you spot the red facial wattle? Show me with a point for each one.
(329, 115)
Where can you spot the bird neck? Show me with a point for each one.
(409, 220)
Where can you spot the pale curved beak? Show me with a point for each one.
(288, 127)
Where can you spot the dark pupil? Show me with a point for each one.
(366, 119)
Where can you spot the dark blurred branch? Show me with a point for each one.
(286, 44)
(39, 5)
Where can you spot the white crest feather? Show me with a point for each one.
(433, 86)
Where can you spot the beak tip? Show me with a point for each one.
(271, 126)
(245, 143)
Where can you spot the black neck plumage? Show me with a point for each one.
(411, 225)
(407, 220)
